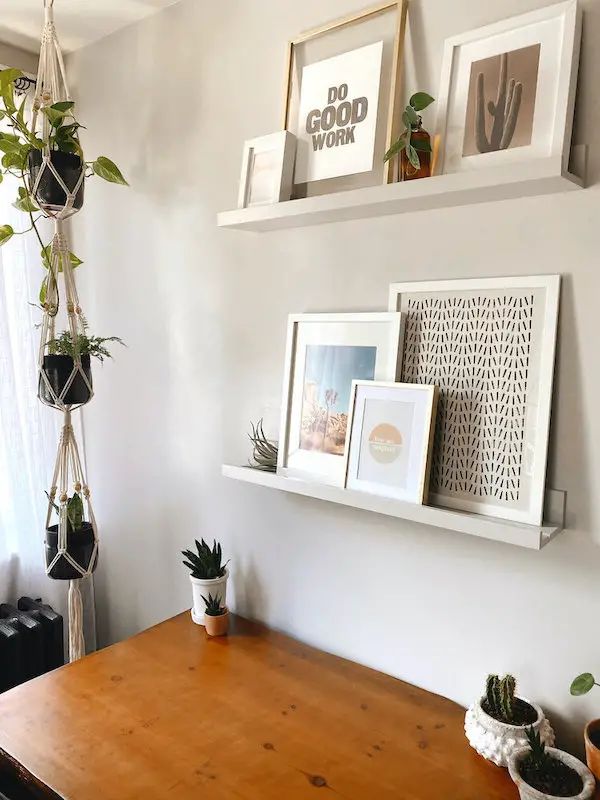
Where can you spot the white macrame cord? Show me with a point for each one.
(51, 87)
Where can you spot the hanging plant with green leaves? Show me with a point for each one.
(411, 120)
(17, 145)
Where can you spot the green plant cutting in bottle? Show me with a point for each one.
(19, 142)
(409, 142)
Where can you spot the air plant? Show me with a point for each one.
(206, 564)
(213, 606)
(264, 452)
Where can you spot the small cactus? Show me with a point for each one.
(500, 697)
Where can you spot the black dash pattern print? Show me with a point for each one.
(477, 350)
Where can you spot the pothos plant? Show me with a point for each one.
(17, 144)
(406, 141)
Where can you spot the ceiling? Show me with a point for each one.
(79, 22)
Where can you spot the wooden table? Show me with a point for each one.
(172, 714)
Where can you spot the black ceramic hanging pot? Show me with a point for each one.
(50, 194)
(80, 546)
(58, 369)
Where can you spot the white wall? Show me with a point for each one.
(203, 312)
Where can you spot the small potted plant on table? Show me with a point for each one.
(582, 685)
(542, 773)
(208, 576)
(216, 616)
(496, 725)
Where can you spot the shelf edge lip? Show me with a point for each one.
(533, 537)
(542, 176)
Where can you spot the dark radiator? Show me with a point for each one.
(31, 641)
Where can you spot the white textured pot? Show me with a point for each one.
(497, 741)
(202, 586)
(527, 792)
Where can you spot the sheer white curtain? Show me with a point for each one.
(28, 431)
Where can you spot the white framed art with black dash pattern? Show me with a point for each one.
(489, 345)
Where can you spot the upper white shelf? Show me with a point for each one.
(533, 537)
(527, 179)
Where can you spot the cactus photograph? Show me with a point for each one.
(501, 101)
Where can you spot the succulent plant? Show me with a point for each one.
(538, 758)
(264, 452)
(500, 697)
(206, 564)
(213, 606)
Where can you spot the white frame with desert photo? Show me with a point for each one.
(273, 157)
(324, 354)
(542, 44)
(395, 460)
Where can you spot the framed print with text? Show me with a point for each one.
(388, 447)
(342, 98)
(324, 354)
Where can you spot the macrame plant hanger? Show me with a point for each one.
(51, 87)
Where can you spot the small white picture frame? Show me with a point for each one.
(267, 169)
(542, 52)
(390, 439)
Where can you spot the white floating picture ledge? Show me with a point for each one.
(527, 179)
(533, 537)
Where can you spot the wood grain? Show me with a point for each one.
(256, 715)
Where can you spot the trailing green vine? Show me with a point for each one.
(16, 146)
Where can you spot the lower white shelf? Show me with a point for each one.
(533, 537)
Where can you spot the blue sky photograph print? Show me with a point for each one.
(328, 375)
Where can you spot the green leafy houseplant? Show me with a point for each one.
(74, 512)
(213, 606)
(407, 141)
(20, 142)
(206, 564)
(583, 684)
(84, 345)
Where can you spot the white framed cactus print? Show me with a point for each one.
(507, 91)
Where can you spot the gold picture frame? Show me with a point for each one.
(393, 79)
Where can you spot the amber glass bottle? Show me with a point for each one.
(407, 171)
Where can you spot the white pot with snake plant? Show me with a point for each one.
(208, 576)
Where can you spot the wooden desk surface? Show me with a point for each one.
(254, 716)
